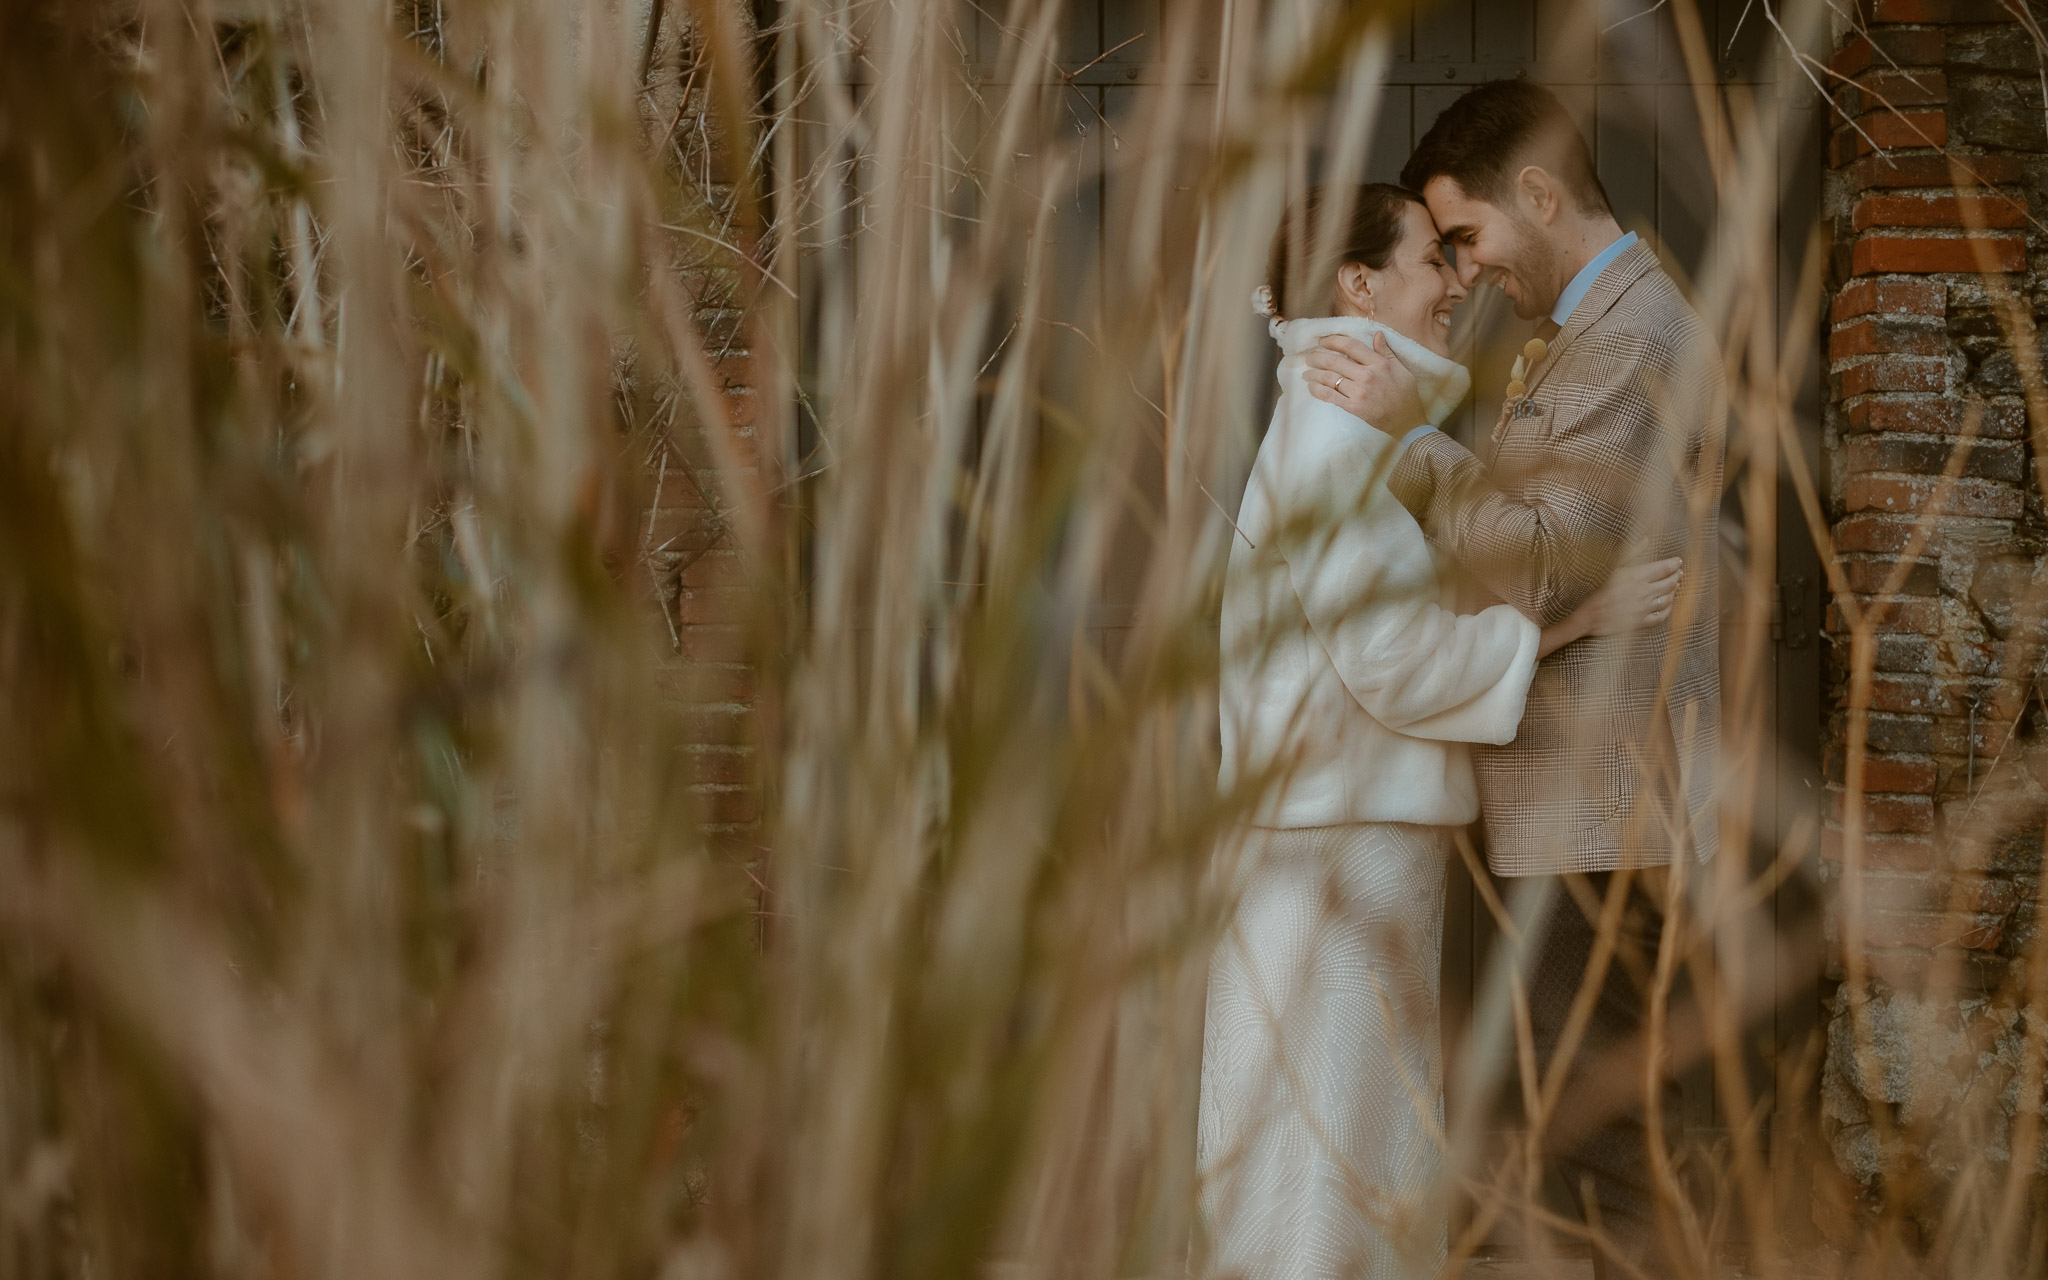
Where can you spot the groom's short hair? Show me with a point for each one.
(1484, 138)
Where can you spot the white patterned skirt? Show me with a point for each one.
(1322, 1100)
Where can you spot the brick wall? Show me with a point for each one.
(701, 577)
(1940, 541)
(689, 542)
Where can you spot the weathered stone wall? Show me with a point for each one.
(1938, 172)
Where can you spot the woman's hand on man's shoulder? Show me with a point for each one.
(1368, 382)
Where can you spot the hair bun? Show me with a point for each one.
(1262, 302)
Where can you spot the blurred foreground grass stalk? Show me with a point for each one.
(361, 915)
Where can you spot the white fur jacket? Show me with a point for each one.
(1347, 690)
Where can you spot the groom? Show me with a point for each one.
(1608, 449)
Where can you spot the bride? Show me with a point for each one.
(1347, 695)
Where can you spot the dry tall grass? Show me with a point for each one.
(358, 917)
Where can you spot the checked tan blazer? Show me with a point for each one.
(1613, 455)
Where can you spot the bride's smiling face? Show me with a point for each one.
(1414, 294)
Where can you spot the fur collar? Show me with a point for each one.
(1442, 381)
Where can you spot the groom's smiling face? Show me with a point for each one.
(1503, 247)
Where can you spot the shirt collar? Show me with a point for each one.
(1568, 301)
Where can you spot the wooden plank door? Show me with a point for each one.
(1618, 65)
(1627, 81)
(1620, 68)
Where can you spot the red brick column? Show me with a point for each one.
(1936, 160)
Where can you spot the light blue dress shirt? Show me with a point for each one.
(1413, 434)
(1575, 292)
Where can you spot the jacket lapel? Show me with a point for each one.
(1599, 300)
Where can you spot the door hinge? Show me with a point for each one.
(1801, 630)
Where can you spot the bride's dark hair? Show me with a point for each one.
(1368, 234)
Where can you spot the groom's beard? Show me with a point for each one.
(1534, 265)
